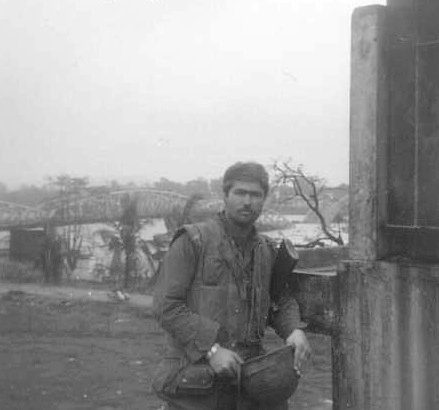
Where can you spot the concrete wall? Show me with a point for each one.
(386, 344)
(321, 257)
(368, 132)
(388, 337)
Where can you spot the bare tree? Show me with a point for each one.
(309, 189)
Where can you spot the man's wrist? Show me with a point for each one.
(296, 330)
(212, 350)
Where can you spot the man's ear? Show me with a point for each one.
(226, 194)
(225, 198)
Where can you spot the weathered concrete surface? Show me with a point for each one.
(386, 350)
(315, 295)
(401, 157)
(321, 257)
(315, 284)
(388, 341)
(413, 138)
(407, 3)
(368, 134)
(401, 3)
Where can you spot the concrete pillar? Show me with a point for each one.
(367, 195)
(401, 3)
(369, 127)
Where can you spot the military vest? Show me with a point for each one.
(220, 291)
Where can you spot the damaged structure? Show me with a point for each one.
(386, 344)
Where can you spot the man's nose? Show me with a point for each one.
(247, 199)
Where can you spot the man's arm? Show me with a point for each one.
(284, 312)
(195, 333)
(284, 315)
(285, 320)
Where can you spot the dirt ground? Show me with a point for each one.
(65, 353)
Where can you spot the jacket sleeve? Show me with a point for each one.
(195, 333)
(284, 314)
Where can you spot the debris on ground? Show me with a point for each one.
(118, 295)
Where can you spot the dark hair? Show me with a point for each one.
(246, 172)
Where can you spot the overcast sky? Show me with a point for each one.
(120, 89)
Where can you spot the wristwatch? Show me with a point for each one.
(212, 350)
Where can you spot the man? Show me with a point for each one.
(213, 299)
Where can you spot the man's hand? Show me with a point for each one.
(298, 340)
(225, 362)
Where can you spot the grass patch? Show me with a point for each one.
(19, 272)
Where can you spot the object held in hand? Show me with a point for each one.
(270, 378)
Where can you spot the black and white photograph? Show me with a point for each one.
(219, 205)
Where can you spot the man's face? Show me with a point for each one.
(244, 202)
